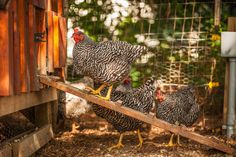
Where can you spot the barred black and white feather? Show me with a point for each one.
(180, 107)
(140, 99)
(106, 62)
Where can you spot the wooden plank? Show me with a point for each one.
(49, 5)
(60, 7)
(3, 3)
(16, 52)
(217, 12)
(55, 41)
(50, 39)
(6, 151)
(33, 142)
(41, 47)
(54, 108)
(6, 54)
(42, 4)
(54, 5)
(24, 55)
(34, 83)
(62, 41)
(231, 24)
(43, 112)
(19, 102)
(140, 116)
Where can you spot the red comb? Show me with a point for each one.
(76, 29)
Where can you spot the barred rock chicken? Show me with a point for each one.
(178, 108)
(106, 62)
(140, 99)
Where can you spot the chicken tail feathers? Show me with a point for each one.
(135, 52)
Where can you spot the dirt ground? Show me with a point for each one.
(95, 136)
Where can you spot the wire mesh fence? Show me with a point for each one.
(178, 33)
(15, 124)
(183, 41)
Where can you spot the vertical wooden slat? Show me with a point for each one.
(40, 3)
(34, 83)
(49, 5)
(50, 39)
(56, 41)
(24, 58)
(62, 41)
(16, 52)
(6, 35)
(41, 46)
(217, 12)
(60, 7)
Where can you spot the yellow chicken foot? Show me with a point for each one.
(119, 144)
(140, 140)
(178, 140)
(97, 91)
(74, 128)
(108, 96)
(170, 144)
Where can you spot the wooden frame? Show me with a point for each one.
(19, 102)
(32, 142)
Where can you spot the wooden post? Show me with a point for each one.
(43, 114)
(54, 109)
(217, 12)
(135, 114)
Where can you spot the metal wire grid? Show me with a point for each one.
(15, 124)
(182, 29)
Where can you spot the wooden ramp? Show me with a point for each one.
(51, 81)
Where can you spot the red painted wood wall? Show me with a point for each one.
(21, 58)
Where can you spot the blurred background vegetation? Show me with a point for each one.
(183, 41)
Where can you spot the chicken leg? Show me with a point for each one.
(140, 139)
(119, 144)
(170, 144)
(97, 91)
(108, 96)
(74, 128)
(178, 140)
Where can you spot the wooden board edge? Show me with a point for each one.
(33, 142)
(6, 150)
(19, 102)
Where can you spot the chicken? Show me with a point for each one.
(72, 107)
(140, 99)
(178, 108)
(106, 62)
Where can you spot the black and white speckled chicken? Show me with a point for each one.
(178, 108)
(140, 99)
(106, 62)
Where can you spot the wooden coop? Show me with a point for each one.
(33, 42)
